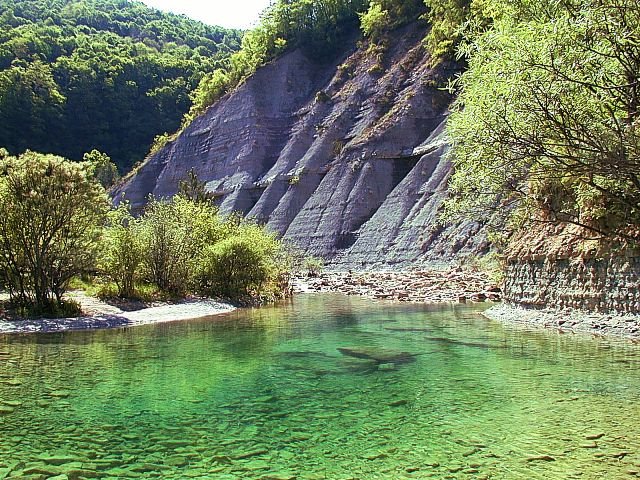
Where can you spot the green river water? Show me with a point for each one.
(266, 394)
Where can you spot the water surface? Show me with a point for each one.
(266, 394)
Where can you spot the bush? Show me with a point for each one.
(121, 252)
(173, 235)
(100, 167)
(313, 266)
(247, 264)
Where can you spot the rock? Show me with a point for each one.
(589, 445)
(594, 436)
(542, 458)
(58, 459)
(409, 329)
(81, 473)
(4, 410)
(173, 444)
(355, 170)
(621, 455)
(378, 355)
(59, 393)
(398, 403)
(386, 366)
(473, 451)
(176, 461)
(48, 471)
(254, 453)
(376, 456)
(147, 467)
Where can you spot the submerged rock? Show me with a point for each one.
(378, 355)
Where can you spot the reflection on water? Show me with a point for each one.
(414, 392)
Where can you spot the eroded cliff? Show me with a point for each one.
(344, 159)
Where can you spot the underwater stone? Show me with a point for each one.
(59, 393)
(377, 355)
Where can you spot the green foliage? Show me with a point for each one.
(548, 116)
(184, 245)
(100, 167)
(375, 21)
(385, 15)
(244, 264)
(173, 234)
(51, 211)
(313, 266)
(122, 252)
(99, 74)
(318, 27)
(193, 189)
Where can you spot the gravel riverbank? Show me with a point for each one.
(568, 321)
(429, 286)
(102, 315)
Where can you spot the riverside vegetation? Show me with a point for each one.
(56, 224)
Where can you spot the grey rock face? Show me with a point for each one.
(605, 285)
(345, 160)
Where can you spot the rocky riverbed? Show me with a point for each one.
(430, 286)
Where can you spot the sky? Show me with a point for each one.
(226, 13)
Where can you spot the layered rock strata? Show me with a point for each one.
(344, 159)
(607, 285)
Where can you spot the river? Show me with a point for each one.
(415, 391)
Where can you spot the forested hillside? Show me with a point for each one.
(99, 74)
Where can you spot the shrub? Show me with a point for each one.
(121, 252)
(173, 235)
(247, 263)
(100, 167)
(313, 266)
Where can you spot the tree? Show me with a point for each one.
(99, 74)
(51, 213)
(193, 189)
(173, 234)
(384, 15)
(548, 117)
(100, 167)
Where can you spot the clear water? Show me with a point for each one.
(265, 394)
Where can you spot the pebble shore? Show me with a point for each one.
(458, 285)
(568, 321)
(429, 286)
(113, 317)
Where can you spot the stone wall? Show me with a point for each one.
(605, 285)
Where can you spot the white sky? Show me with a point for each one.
(226, 13)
